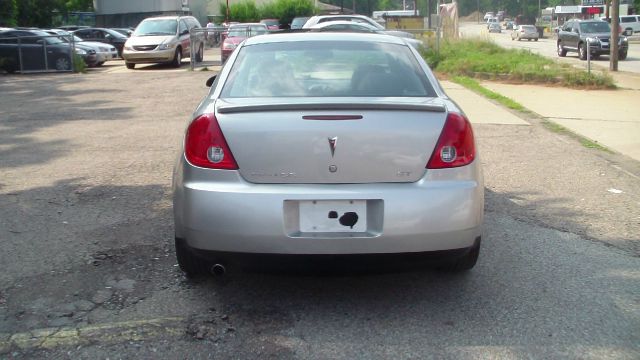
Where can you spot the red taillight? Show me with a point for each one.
(455, 146)
(205, 145)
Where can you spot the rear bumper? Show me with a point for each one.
(442, 211)
(341, 263)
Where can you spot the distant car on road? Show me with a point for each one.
(495, 27)
(528, 32)
(488, 15)
(493, 20)
(594, 36)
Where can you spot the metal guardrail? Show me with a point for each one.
(37, 54)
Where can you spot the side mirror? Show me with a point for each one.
(211, 80)
(108, 36)
(184, 32)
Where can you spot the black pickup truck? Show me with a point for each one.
(595, 35)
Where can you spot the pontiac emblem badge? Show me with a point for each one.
(332, 144)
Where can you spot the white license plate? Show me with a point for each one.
(333, 216)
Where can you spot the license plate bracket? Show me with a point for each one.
(333, 216)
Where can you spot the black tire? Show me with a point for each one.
(177, 58)
(130, 65)
(535, 39)
(622, 55)
(562, 52)
(200, 53)
(100, 64)
(465, 262)
(190, 264)
(582, 51)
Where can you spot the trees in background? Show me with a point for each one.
(38, 13)
(283, 10)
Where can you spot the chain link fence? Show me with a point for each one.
(38, 53)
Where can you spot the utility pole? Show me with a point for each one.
(615, 35)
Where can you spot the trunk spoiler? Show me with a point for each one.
(240, 108)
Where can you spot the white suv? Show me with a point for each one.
(630, 22)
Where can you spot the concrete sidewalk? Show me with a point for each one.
(609, 117)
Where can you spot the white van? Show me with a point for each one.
(163, 39)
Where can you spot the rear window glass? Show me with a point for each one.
(326, 69)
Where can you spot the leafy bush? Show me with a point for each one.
(283, 10)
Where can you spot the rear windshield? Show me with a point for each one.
(157, 27)
(326, 69)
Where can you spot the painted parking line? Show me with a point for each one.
(109, 333)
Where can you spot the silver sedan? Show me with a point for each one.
(326, 144)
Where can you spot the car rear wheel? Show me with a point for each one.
(622, 55)
(582, 51)
(536, 39)
(190, 264)
(63, 63)
(561, 50)
(130, 65)
(465, 262)
(177, 58)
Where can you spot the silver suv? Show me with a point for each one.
(163, 39)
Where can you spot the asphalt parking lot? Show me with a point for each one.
(90, 272)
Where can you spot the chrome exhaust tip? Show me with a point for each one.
(218, 270)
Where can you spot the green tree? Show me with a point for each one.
(8, 13)
(36, 12)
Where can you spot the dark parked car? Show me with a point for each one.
(103, 35)
(578, 35)
(124, 31)
(34, 50)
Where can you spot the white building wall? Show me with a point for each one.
(107, 7)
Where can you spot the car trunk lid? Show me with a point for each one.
(331, 140)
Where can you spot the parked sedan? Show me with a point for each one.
(495, 27)
(326, 145)
(528, 32)
(236, 34)
(98, 52)
(107, 36)
(34, 50)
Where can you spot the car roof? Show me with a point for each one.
(341, 22)
(324, 36)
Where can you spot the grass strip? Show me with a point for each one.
(559, 129)
(473, 85)
(482, 58)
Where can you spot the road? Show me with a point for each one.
(89, 269)
(547, 47)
